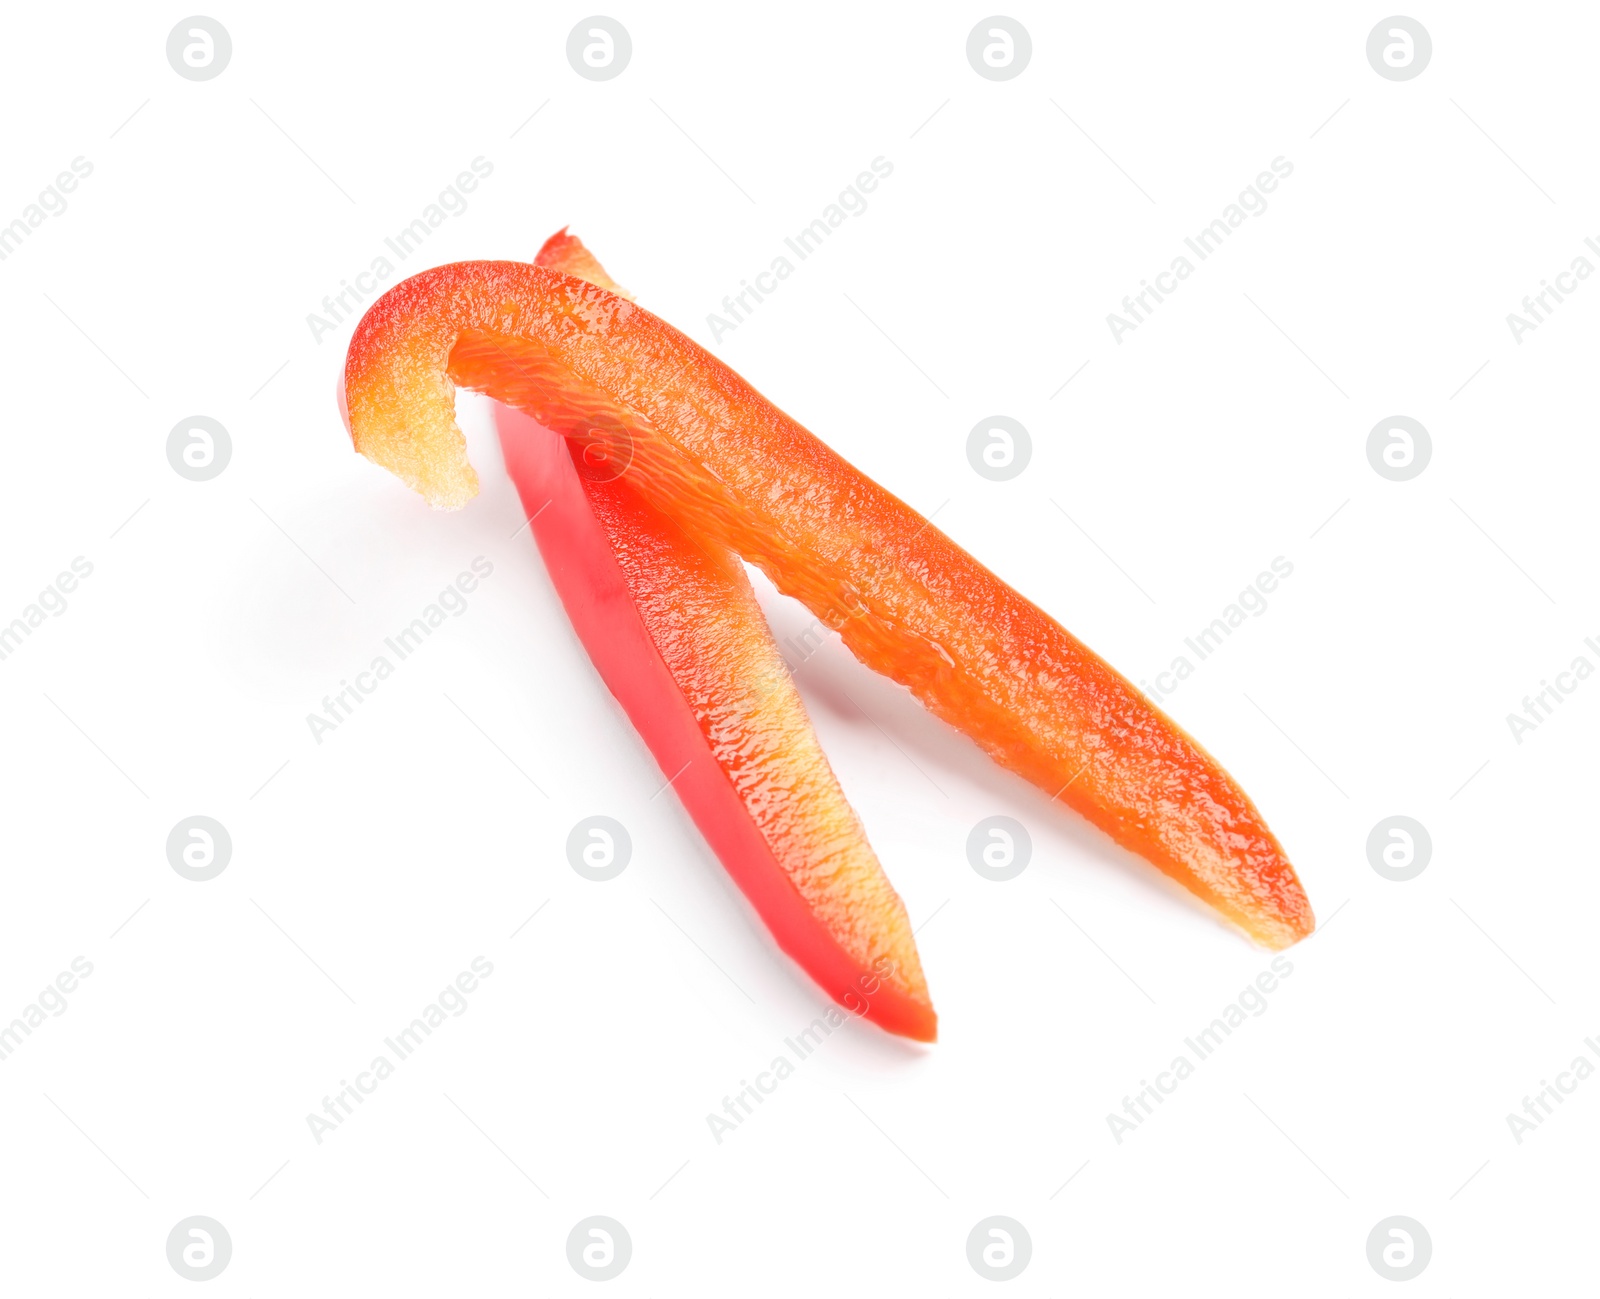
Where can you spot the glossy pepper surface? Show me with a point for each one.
(639, 401)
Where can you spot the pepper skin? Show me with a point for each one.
(675, 632)
(699, 444)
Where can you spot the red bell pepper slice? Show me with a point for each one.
(675, 632)
(698, 443)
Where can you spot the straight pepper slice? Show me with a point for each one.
(698, 443)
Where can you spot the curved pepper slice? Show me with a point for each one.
(672, 625)
(675, 632)
(701, 445)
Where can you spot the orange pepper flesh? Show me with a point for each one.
(703, 447)
(675, 632)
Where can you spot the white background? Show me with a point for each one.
(369, 870)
